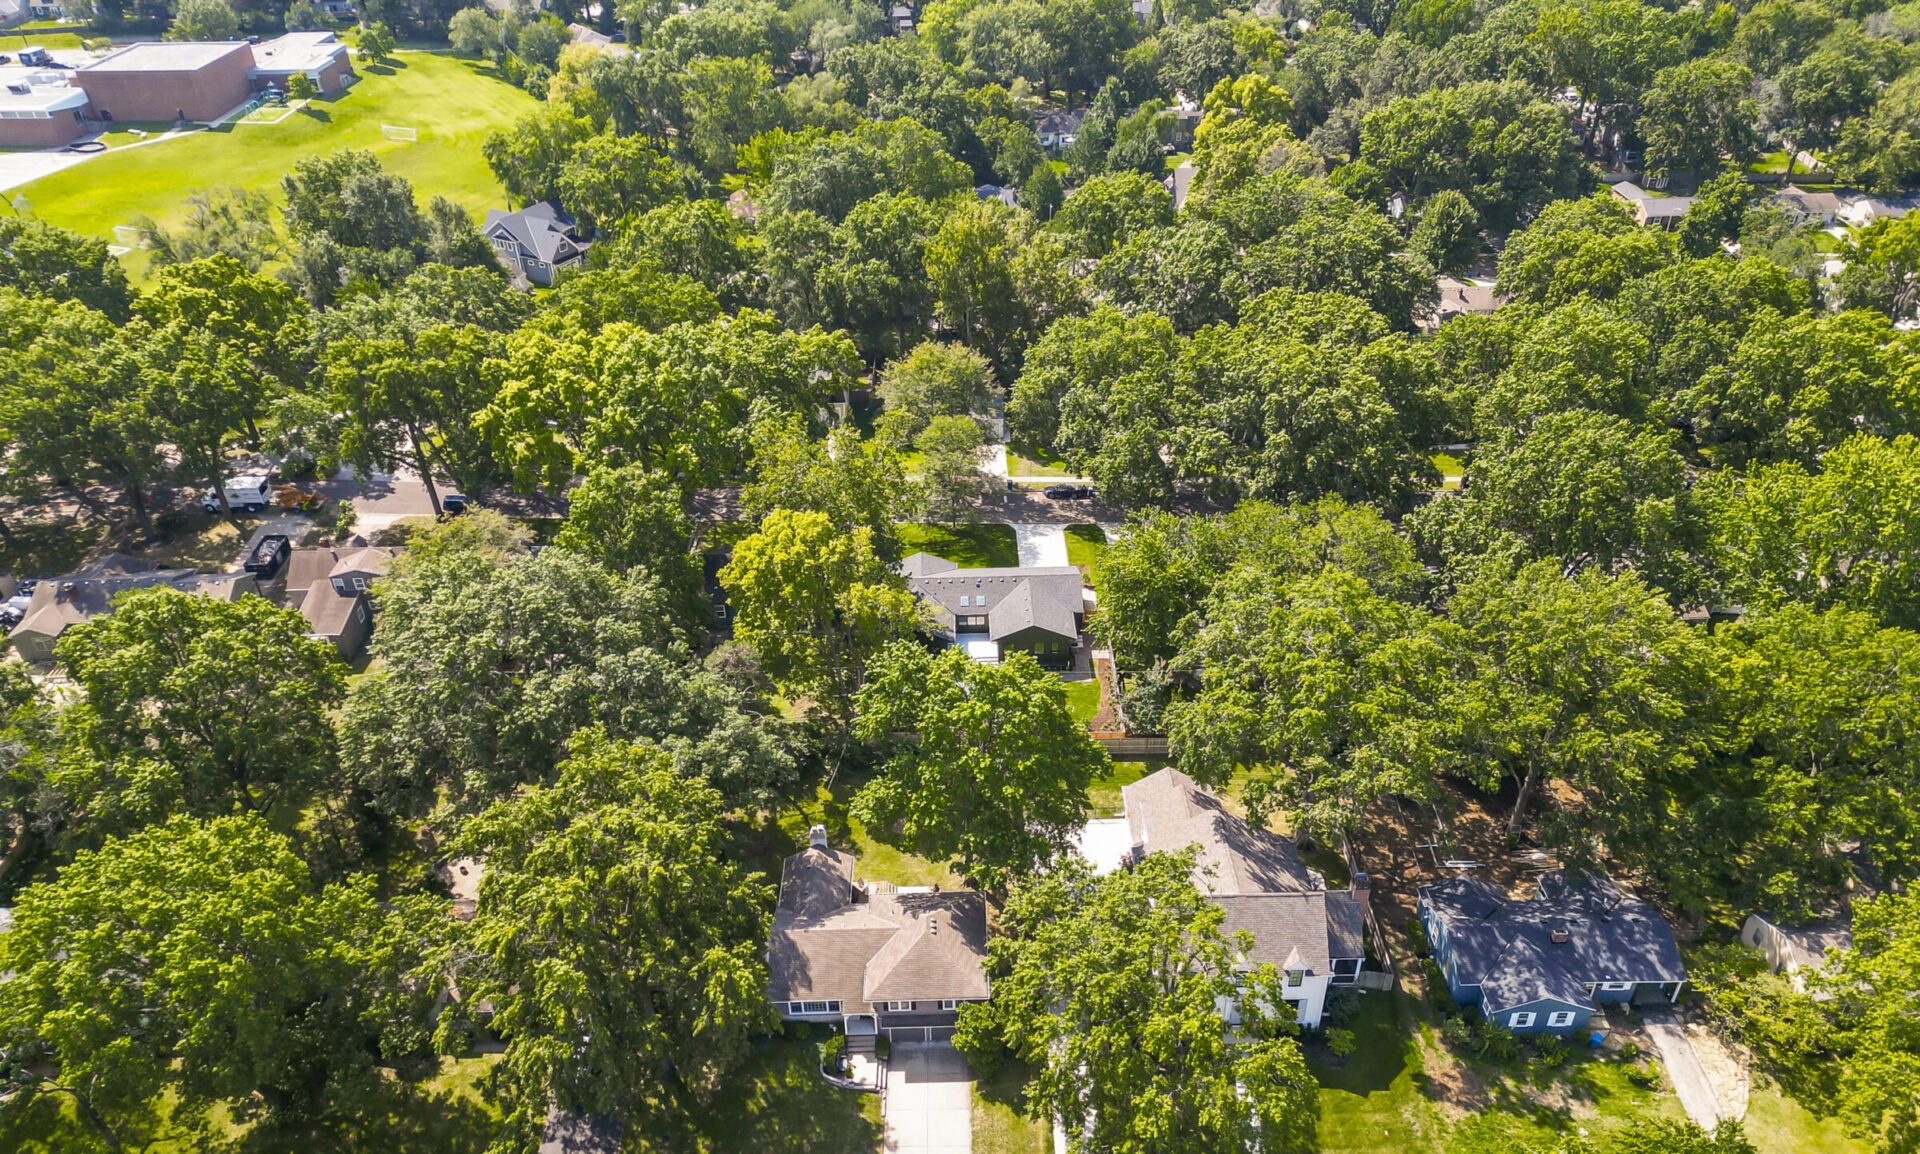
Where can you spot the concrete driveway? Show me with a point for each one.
(1684, 1070)
(929, 1100)
(1040, 545)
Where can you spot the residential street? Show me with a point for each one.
(929, 1100)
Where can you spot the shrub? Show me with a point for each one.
(1417, 937)
(1456, 1033)
(171, 521)
(1629, 1051)
(1343, 1002)
(883, 1047)
(1646, 1076)
(830, 1051)
(1551, 1052)
(1341, 1042)
(1495, 1042)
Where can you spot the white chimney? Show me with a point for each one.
(817, 836)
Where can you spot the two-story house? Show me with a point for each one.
(874, 958)
(1315, 937)
(540, 242)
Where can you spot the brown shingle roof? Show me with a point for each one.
(913, 946)
(937, 951)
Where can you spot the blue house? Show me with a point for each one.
(1545, 964)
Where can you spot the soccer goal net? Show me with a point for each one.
(396, 132)
(128, 236)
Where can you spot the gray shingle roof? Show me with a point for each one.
(1611, 936)
(1168, 812)
(1043, 597)
(1254, 875)
(1530, 972)
(542, 231)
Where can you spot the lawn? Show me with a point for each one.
(1451, 469)
(785, 832)
(778, 1102)
(1083, 698)
(452, 103)
(968, 546)
(1085, 544)
(1032, 461)
(1104, 796)
(998, 1125)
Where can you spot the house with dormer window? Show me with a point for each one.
(1315, 937)
(540, 242)
(873, 958)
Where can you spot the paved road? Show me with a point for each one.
(1683, 1067)
(929, 1100)
(1040, 545)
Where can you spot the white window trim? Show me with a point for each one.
(1560, 1018)
(1616, 987)
(1521, 1020)
(899, 1007)
(949, 1004)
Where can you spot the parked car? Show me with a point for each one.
(453, 504)
(269, 553)
(1068, 492)
(248, 491)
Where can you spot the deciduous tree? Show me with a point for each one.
(989, 766)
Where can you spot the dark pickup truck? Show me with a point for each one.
(269, 553)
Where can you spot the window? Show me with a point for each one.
(359, 582)
(829, 1007)
(1295, 977)
(1521, 1020)
(899, 1007)
(361, 611)
(1616, 987)
(1560, 1018)
(949, 1004)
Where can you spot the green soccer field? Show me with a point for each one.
(450, 103)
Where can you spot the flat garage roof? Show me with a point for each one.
(155, 57)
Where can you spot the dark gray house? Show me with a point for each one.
(993, 612)
(873, 957)
(1545, 964)
(540, 241)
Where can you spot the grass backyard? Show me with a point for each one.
(968, 546)
(1403, 1091)
(779, 1102)
(1083, 698)
(451, 103)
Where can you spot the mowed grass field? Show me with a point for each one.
(451, 103)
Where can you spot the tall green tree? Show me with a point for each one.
(1590, 681)
(199, 962)
(1112, 988)
(815, 601)
(621, 948)
(1324, 691)
(492, 659)
(989, 767)
(200, 707)
(857, 482)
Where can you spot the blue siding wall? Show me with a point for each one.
(1543, 1012)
